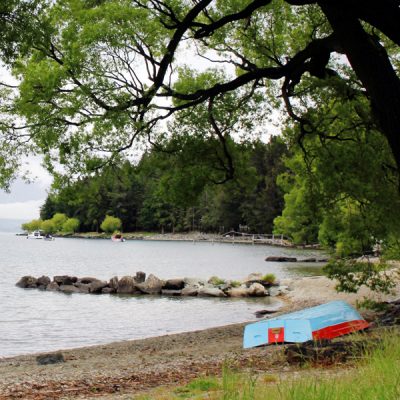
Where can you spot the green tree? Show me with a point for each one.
(33, 225)
(111, 224)
(72, 104)
(47, 226)
(71, 225)
(58, 221)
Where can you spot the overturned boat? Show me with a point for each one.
(326, 321)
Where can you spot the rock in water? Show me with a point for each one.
(281, 259)
(27, 282)
(174, 284)
(152, 285)
(127, 285)
(140, 277)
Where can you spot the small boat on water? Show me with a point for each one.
(326, 321)
(117, 238)
(38, 234)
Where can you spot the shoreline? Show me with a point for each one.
(120, 370)
(195, 237)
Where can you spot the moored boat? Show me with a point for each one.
(117, 238)
(36, 235)
(326, 321)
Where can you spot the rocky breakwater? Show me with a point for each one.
(252, 286)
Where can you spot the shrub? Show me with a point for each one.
(110, 224)
(71, 225)
(33, 225)
(47, 226)
(58, 221)
(270, 278)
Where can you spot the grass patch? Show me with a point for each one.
(270, 278)
(215, 280)
(376, 376)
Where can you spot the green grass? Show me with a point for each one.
(215, 280)
(376, 376)
(270, 278)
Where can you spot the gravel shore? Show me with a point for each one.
(121, 370)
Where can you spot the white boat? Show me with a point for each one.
(36, 235)
(39, 235)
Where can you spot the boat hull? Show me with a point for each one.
(326, 321)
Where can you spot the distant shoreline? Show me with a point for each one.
(191, 237)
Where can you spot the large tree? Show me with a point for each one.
(98, 75)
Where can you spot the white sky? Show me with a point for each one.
(24, 200)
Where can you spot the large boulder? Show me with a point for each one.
(97, 286)
(87, 280)
(238, 292)
(83, 287)
(27, 282)
(65, 279)
(140, 277)
(210, 292)
(152, 285)
(257, 290)
(174, 284)
(42, 282)
(127, 285)
(53, 287)
(113, 284)
(190, 291)
(196, 282)
(69, 289)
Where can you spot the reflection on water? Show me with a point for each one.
(33, 321)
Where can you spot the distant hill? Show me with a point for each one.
(11, 225)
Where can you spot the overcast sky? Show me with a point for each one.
(24, 200)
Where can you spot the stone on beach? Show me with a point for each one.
(53, 358)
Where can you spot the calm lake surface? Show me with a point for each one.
(35, 321)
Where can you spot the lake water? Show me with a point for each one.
(36, 321)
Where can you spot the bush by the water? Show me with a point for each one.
(110, 224)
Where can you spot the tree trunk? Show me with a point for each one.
(372, 66)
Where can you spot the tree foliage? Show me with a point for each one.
(175, 191)
(111, 224)
(99, 76)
